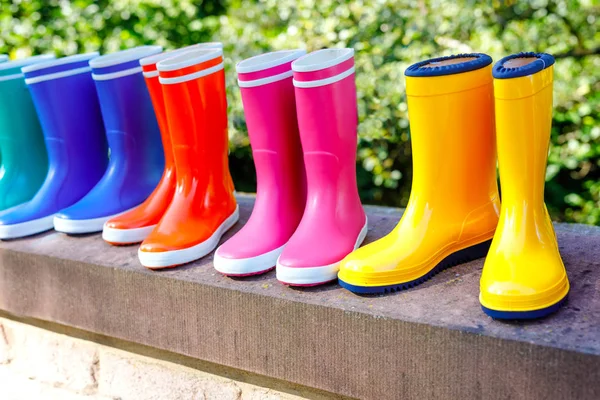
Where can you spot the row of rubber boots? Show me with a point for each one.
(176, 194)
(297, 207)
(301, 115)
(193, 205)
(454, 214)
(58, 119)
(164, 118)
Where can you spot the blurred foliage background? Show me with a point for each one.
(388, 36)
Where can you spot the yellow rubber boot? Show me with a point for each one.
(523, 276)
(453, 208)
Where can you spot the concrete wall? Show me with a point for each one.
(36, 364)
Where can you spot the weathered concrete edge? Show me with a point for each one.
(345, 352)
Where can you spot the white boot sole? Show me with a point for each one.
(247, 266)
(166, 259)
(28, 228)
(309, 276)
(126, 236)
(79, 226)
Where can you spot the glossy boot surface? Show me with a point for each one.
(203, 207)
(136, 155)
(334, 222)
(270, 110)
(523, 276)
(20, 131)
(135, 225)
(454, 204)
(65, 98)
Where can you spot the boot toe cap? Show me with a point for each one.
(162, 241)
(153, 245)
(306, 252)
(523, 294)
(306, 259)
(120, 223)
(245, 244)
(131, 220)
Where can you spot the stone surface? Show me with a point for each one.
(120, 375)
(429, 342)
(43, 356)
(14, 386)
(144, 379)
(5, 356)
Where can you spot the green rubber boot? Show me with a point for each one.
(23, 157)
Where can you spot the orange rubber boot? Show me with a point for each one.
(135, 225)
(203, 207)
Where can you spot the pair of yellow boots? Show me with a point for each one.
(454, 213)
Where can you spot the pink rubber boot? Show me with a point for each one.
(334, 222)
(270, 109)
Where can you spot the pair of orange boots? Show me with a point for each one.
(193, 204)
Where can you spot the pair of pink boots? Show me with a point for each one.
(301, 115)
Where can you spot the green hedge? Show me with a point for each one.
(388, 36)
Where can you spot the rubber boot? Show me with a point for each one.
(65, 98)
(334, 222)
(270, 109)
(203, 207)
(523, 275)
(3, 58)
(20, 130)
(133, 226)
(453, 208)
(136, 155)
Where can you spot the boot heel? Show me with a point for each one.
(465, 255)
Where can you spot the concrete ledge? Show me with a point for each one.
(429, 342)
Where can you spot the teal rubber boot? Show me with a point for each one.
(23, 157)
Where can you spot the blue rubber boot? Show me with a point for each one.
(65, 98)
(136, 153)
(20, 134)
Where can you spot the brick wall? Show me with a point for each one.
(36, 364)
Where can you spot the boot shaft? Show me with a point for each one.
(327, 119)
(66, 102)
(158, 103)
(156, 93)
(270, 110)
(20, 133)
(269, 102)
(326, 102)
(131, 127)
(196, 107)
(523, 100)
(451, 112)
(19, 123)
